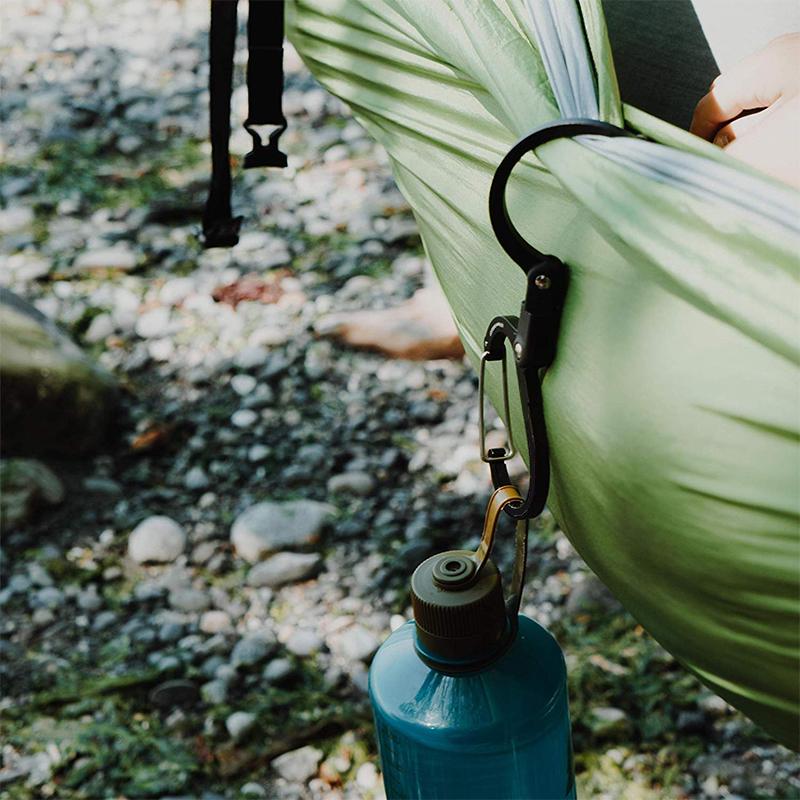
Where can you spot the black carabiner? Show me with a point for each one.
(534, 334)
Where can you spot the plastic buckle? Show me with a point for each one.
(265, 155)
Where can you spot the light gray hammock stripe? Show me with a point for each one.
(562, 45)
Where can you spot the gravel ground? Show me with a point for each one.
(194, 613)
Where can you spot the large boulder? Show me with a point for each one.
(54, 399)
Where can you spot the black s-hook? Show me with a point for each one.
(532, 335)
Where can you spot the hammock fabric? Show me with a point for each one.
(673, 406)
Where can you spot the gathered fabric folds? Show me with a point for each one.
(673, 405)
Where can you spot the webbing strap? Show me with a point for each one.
(264, 95)
(265, 81)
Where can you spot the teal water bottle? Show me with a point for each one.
(470, 699)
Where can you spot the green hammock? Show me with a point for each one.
(673, 406)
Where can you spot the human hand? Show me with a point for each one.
(768, 83)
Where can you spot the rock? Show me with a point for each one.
(239, 724)
(258, 452)
(606, 722)
(153, 324)
(591, 596)
(284, 568)
(15, 219)
(367, 776)
(278, 671)
(422, 328)
(268, 527)
(216, 622)
(253, 648)
(251, 357)
(189, 600)
(170, 631)
(303, 643)
(244, 418)
(298, 765)
(360, 483)
(196, 479)
(692, 722)
(120, 257)
(214, 692)
(48, 597)
(355, 643)
(100, 328)
(243, 384)
(253, 789)
(105, 619)
(25, 486)
(89, 599)
(55, 400)
(174, 693)
(158, 539)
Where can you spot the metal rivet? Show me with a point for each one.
(542, 282)
(518, 349)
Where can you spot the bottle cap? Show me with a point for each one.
(460, 615)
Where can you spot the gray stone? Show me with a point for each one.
(196, 479)
(360, 483)
(355, 643)
(607, 722)
(216, 622)
(89, 599)
(240, 724)
(253, 648)
(244, 418)
(298, 765)
(591, 596)
(48, 597)
(243, 384)
(214, 692)
(25, 486)
(100, 328)
(251, 357)
(158, 538)
(283, 568)
(153, 324)
(170, 631)
(304, 643)
(268, 527)
(105, 619)
(278, 670)
(189, 600)
(253, 789)
(120, 257)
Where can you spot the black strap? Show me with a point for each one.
(264, 91)
(220, 228)
(265, 81)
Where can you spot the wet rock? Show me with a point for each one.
(240, 724)
(25, 486)
(298, 765)
(158, 539)
(253, 648)
(283, 568)
(268, 527)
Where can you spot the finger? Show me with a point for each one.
(743, 87)
(742, 126)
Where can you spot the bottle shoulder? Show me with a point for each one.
(525, 688)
